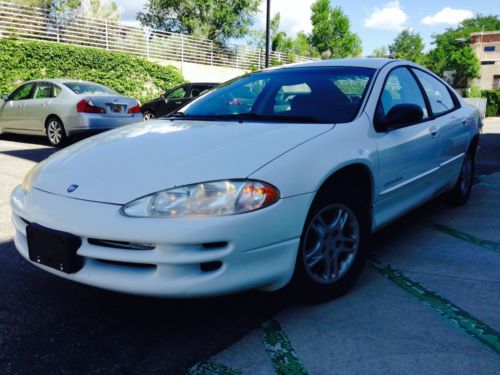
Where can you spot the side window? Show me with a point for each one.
(400, 88)
(197, 90)
(23, 92)
(438, 94)
(177, 94)
(44, 90)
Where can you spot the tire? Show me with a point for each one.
(460, 193)
(333, 241)
(56, 134)
(149, 115)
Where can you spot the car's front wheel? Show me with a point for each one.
(55, 132)
(333, 244)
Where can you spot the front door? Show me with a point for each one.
(408, 156)
(12, 111)
(173, 101)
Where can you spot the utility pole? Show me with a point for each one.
(268, 31)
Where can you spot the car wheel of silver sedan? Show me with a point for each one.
(332, 251)
(55, 132)
(149, 116)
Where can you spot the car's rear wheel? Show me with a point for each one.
(55, 132)
(333, 244)
(460, 193)
(148, 115)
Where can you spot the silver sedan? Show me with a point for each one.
(59, 109)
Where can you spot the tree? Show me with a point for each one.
(53, 5)
(452, 52)
(331, 34)
(101, 9)
(408, 45)
(381, 51)
(281, 41)
(215, 19)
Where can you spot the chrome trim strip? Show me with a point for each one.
(404, 183)
(452, 159)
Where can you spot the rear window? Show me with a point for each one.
(84, 88)
(316, 95)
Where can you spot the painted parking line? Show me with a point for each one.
(279, 348)
(490, 245)
(453, 314)
(212, 368)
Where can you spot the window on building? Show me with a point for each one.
(487, 62)
(489, 48)
(496, 82)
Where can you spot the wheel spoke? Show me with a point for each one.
(315, 250)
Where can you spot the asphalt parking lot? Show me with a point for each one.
(429, 302)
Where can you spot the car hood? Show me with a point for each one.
(129, 162)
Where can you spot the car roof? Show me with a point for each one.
(367, 62)
(63, 80)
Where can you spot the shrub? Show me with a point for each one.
(493, 104)
(21, 61)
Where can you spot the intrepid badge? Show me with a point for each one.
(72, 188)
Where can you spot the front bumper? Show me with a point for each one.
(255, 250)
(84, 123)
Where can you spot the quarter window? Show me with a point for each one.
(23, 92)
(400, 88)
(438, 94)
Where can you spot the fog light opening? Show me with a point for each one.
(210, 266)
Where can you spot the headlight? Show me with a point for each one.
(205, 199)
(30, 178)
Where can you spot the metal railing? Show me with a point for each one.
(26, 23)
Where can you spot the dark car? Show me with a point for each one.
(174, 99)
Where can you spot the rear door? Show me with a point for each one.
(37, 109)
(454, 133)
(408, 156)
(12, 111)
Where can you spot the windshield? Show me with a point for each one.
(84, 88)
(319, 95)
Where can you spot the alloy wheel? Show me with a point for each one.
(54, 132)
(149, 116)
(331, 243)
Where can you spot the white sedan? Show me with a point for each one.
(279, 176)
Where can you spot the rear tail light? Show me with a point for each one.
(135, 109)
(86, 106)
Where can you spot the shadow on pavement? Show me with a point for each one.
(488, 158)
(48, 323)
(34, 154)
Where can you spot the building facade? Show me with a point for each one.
(486, 45)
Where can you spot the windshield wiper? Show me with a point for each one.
(250, 117)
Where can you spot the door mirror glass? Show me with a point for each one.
(402, 115)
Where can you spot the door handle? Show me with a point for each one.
(464, 122)
(178, 102)
(434, 132)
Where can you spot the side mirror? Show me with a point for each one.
(401, 115)
(162, 96)
(5, 97)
